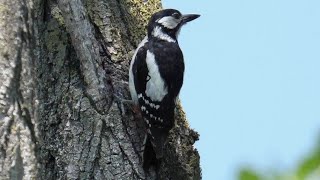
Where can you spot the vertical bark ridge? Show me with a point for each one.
(17, 101)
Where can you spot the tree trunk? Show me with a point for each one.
(63, 72)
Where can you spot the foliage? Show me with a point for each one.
(307, 169)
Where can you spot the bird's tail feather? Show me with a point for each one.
(158, 139)
(149, 156)
(154, 147)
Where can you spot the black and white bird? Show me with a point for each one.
(156, 75)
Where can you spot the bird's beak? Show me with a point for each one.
(189, 17)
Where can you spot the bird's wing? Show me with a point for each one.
(169, 58)
(140, 69)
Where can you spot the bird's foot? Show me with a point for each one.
(134, 107)
(136, 111)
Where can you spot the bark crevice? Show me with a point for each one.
(87, 49)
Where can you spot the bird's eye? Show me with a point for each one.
(176, 15)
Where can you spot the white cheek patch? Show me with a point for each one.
(169, 22)
(157, 32)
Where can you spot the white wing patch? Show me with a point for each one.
(132, 88)
(169, 22)
(157, 32)
(156, 88)
(152, 105)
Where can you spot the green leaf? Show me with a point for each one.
(309, 165)
(247, 174)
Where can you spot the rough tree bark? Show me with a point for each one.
(63, 72)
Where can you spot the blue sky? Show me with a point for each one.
(251, 85)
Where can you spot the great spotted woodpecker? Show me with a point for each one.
(156, 75)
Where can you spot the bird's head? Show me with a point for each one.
(168, 22)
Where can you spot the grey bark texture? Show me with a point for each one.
(63, 75)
